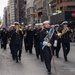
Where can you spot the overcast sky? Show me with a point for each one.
(3, 3)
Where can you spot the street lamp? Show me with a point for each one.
(22, 23)
(50, 10)
(49, 5)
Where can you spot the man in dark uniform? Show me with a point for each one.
(65, 38)
(16, 38)
(26, 38)
(36, 32)
(46, 49)
(57, 40)
(11, 28)
(30, 38)
(42, 33)
(52, 39)
(1, 37)
(4, 36)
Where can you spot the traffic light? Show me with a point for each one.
(34, 14)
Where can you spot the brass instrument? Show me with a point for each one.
(21, 27)
(65, 30)
(59, 34)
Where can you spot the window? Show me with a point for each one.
(53, 9)
(60, 1)
(71, 0)
(71, 8)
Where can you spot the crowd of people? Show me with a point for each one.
(72, 35)
(47, 40)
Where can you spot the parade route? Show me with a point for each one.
(37, 37)
(30, 65)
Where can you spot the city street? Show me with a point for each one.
(42, 23)
(30, 65)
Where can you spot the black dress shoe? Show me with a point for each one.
(30, 52)
(57, 56)
(66, 60)
(49, 73)
(16, 61)
(13, 57)
(19, 58)
(37, 57)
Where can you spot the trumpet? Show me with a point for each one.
(65, 30)
(21, 27)
(59, 34)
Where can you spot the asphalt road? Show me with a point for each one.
(30, 65)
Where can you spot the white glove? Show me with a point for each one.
(45, 43)
(55, 43)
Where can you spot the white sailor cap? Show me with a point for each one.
(52, 25)
(29, 25)
(46, 22)
(65, 22)
(26, 26)
(56, 25)
(16, 23)
(36, 24)
(12, 25)
(40, 24)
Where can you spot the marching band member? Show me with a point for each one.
(36, 32)
(26, 38)
(47, 47)
(16, 39)
(52, 38)
(30, 38)
(42, 35)
(11, 28)
(57, 40)
(65, 38)
(4, 37)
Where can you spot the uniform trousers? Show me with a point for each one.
(37, 48)
(17, 51)
(26, 45)
(47, 58)
(30, 46)
(66, 49)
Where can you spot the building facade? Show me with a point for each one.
(16, 11)
(20, 11)
(5, 17)
(52, 5)
(34, 11)
(8, 16)
(12, 11)
(67, 8)
(66, 5)
(30, 11)
(42, 10)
